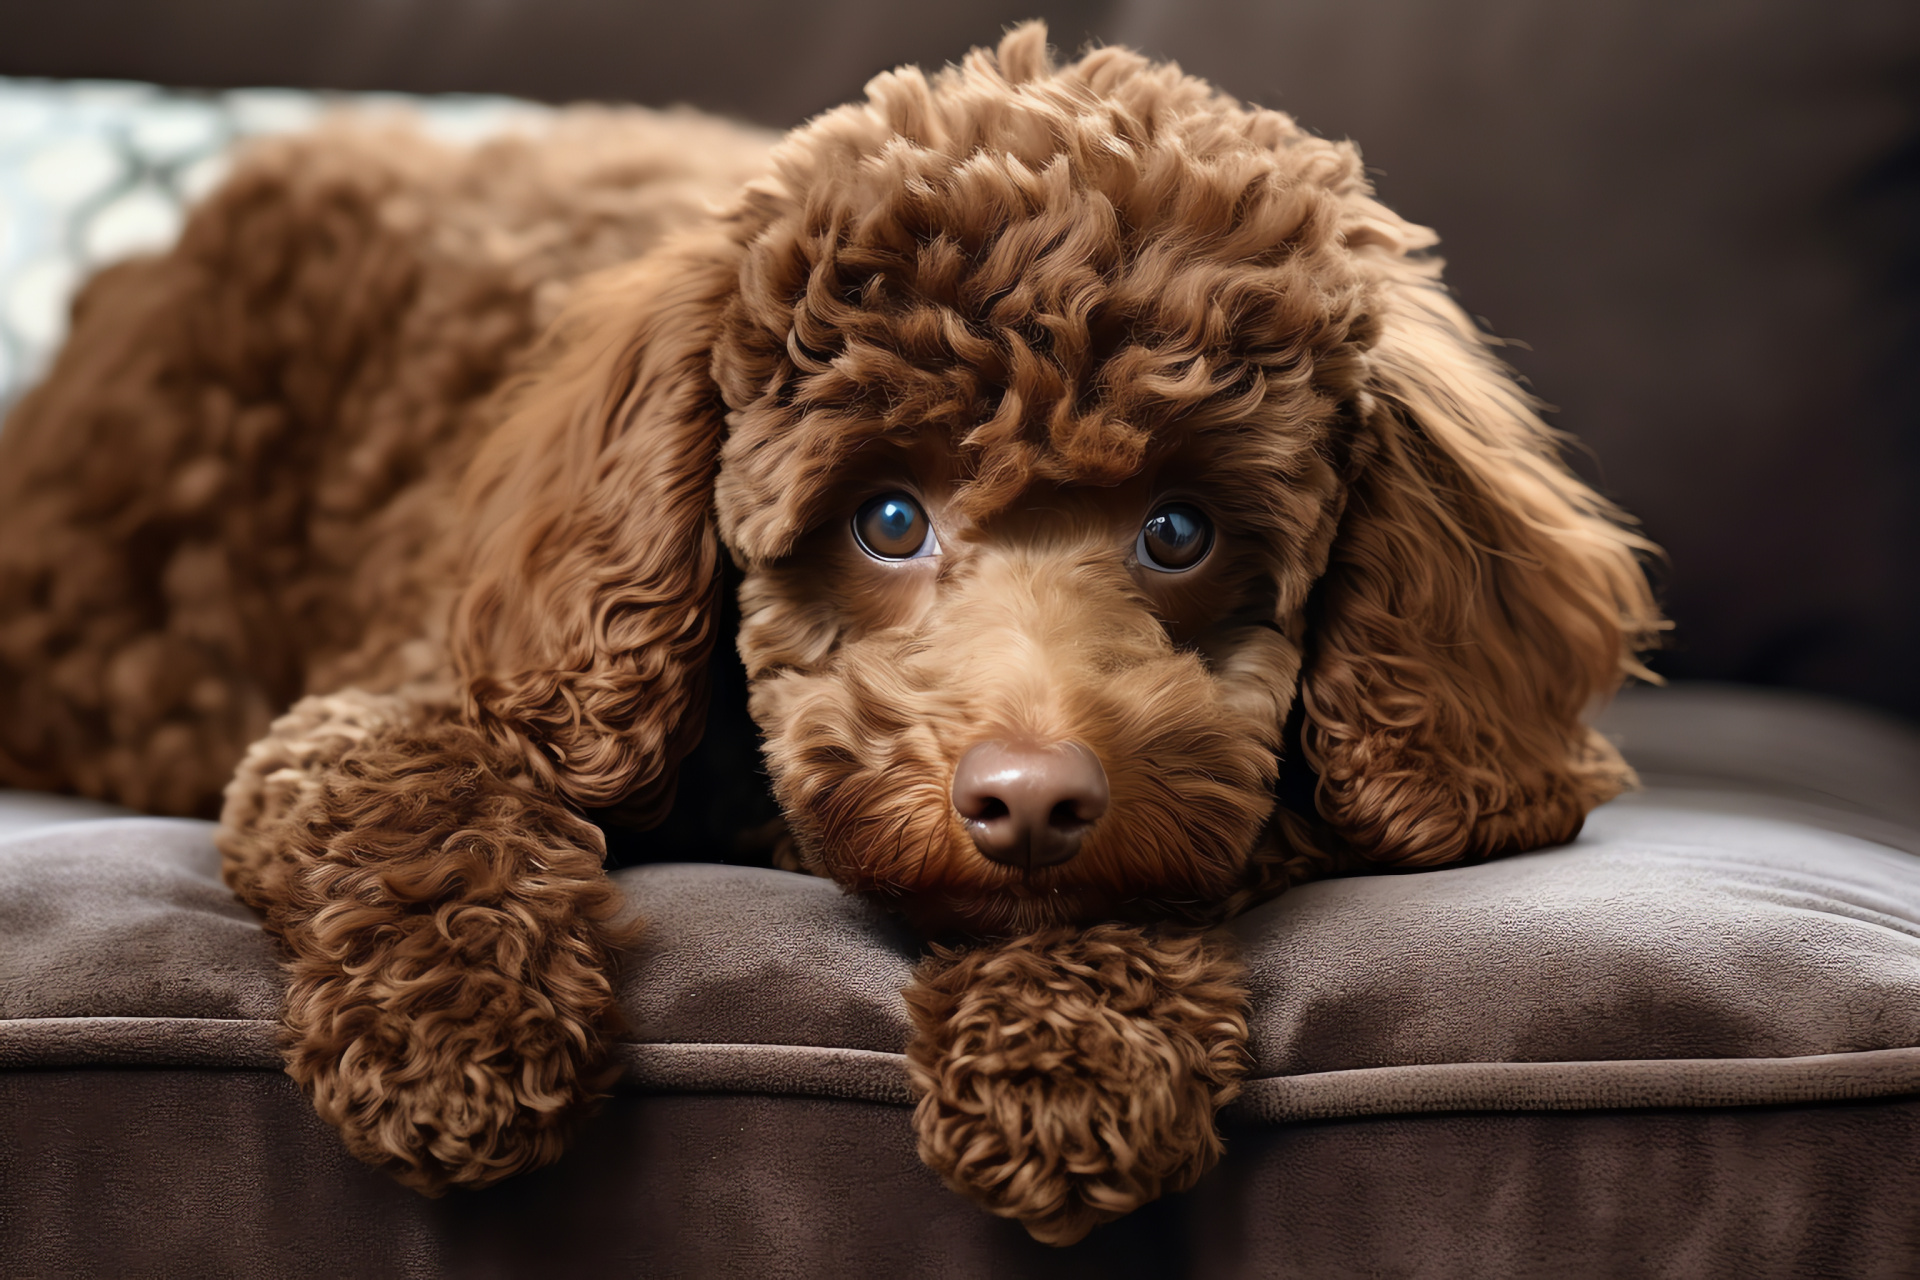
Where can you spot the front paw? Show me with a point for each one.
(1068, 1077)
(441, 1065)
(451, 938)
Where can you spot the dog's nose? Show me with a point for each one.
(1029, 805)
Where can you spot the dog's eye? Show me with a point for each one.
(894, 527)
(1175, 537)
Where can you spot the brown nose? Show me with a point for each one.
(1029, 805)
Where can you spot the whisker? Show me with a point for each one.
(926, 854)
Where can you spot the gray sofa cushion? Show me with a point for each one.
(1531, 1067)
(1703, 943)
(1676, 955)
(22, 811)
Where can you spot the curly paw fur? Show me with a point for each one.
(1067, 1077)
(451, 938)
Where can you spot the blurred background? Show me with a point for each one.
(1699, 220)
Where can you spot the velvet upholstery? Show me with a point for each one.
(1687, 1043)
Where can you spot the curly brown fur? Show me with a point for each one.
(1069, 1076)
(321, 446)
(236, 485)
(1042, 298)
(451, 939)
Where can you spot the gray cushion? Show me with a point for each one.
(1679, 953)
(1522, 1068)
(31, 810)
(1706, 942)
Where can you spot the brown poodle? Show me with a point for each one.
(1084, 443)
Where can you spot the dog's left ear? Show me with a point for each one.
(581, 640)
(1479, 601)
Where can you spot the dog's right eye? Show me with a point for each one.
(1175, 538)
(894, 527)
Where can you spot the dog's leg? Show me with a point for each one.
(1070, 1076)
(451, 937)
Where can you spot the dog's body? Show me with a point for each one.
(1085, 442)
(238, 485)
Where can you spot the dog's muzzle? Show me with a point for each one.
(1029, 805)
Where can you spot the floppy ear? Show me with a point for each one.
(583, 634)
(1478, 602)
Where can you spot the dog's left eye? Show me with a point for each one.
(894, 527)
(1175, 537)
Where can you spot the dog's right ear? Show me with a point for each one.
(582, 637)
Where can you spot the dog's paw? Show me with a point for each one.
(1068, 1077)
(442, 1069)
(451, 944)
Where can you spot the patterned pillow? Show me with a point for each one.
(93, 171)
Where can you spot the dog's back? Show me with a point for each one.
(234, 485)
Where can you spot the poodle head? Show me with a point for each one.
(1074, 428)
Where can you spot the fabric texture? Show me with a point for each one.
(1714, 922)
(31, 810)
(1668, 939)
(1704, 1014)
(175, 1173)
